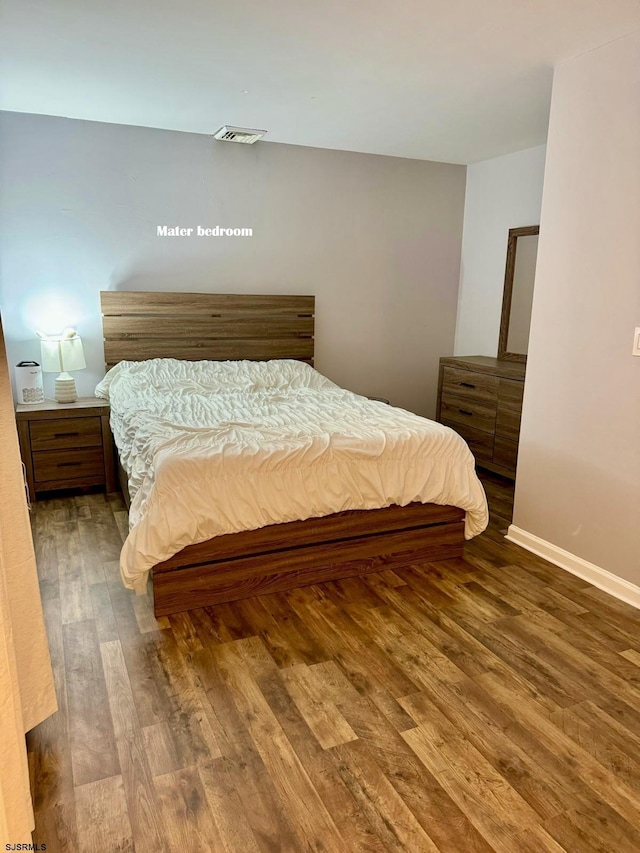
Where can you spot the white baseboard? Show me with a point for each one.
(603, 579)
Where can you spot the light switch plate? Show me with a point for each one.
(636, 342)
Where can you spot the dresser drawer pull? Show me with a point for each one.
(465, 412)
(64, 434)
(68, 464)
(467, 385)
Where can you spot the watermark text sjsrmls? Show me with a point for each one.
(201, 231)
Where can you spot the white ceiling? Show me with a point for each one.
(449, 80)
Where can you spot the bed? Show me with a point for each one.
(195, 377)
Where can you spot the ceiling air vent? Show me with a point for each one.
(239, 134)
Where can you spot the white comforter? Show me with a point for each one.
(219, 447)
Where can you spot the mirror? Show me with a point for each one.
(522, 251)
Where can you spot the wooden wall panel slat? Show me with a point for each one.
(196, 350)
(117, 302)
(162, 328)
(109, 365)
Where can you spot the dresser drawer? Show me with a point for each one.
(473, 386)
(480, 443)
(510, 393)
(86, 464)
(509, 413)
(505, 453)
(61, 433)
(508, 424)
(473, 413)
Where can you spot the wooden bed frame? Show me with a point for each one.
(195, 326)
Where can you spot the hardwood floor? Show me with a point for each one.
(490, 703)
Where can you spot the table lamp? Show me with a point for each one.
(61, 354)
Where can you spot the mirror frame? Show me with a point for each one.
(514, 233)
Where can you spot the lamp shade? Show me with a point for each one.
(62, 355)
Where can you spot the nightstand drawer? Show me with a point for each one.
(60, 433)
(53, 465)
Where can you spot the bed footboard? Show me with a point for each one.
(299, 553)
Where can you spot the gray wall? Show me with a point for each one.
(376, 239)
(502, 193)
(578, 484)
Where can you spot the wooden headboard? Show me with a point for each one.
(213, 326)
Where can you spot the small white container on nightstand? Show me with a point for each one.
(29, 382)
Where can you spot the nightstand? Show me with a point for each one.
(66, 445)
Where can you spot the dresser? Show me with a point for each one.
(481, 399)
(66, 445)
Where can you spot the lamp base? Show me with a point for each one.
(65, 389)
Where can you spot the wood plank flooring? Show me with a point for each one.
(490, 703)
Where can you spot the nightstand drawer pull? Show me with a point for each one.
(467, 385)
(465, 412)
(69, 464)
(64, 434)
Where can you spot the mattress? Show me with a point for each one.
(218, 447)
